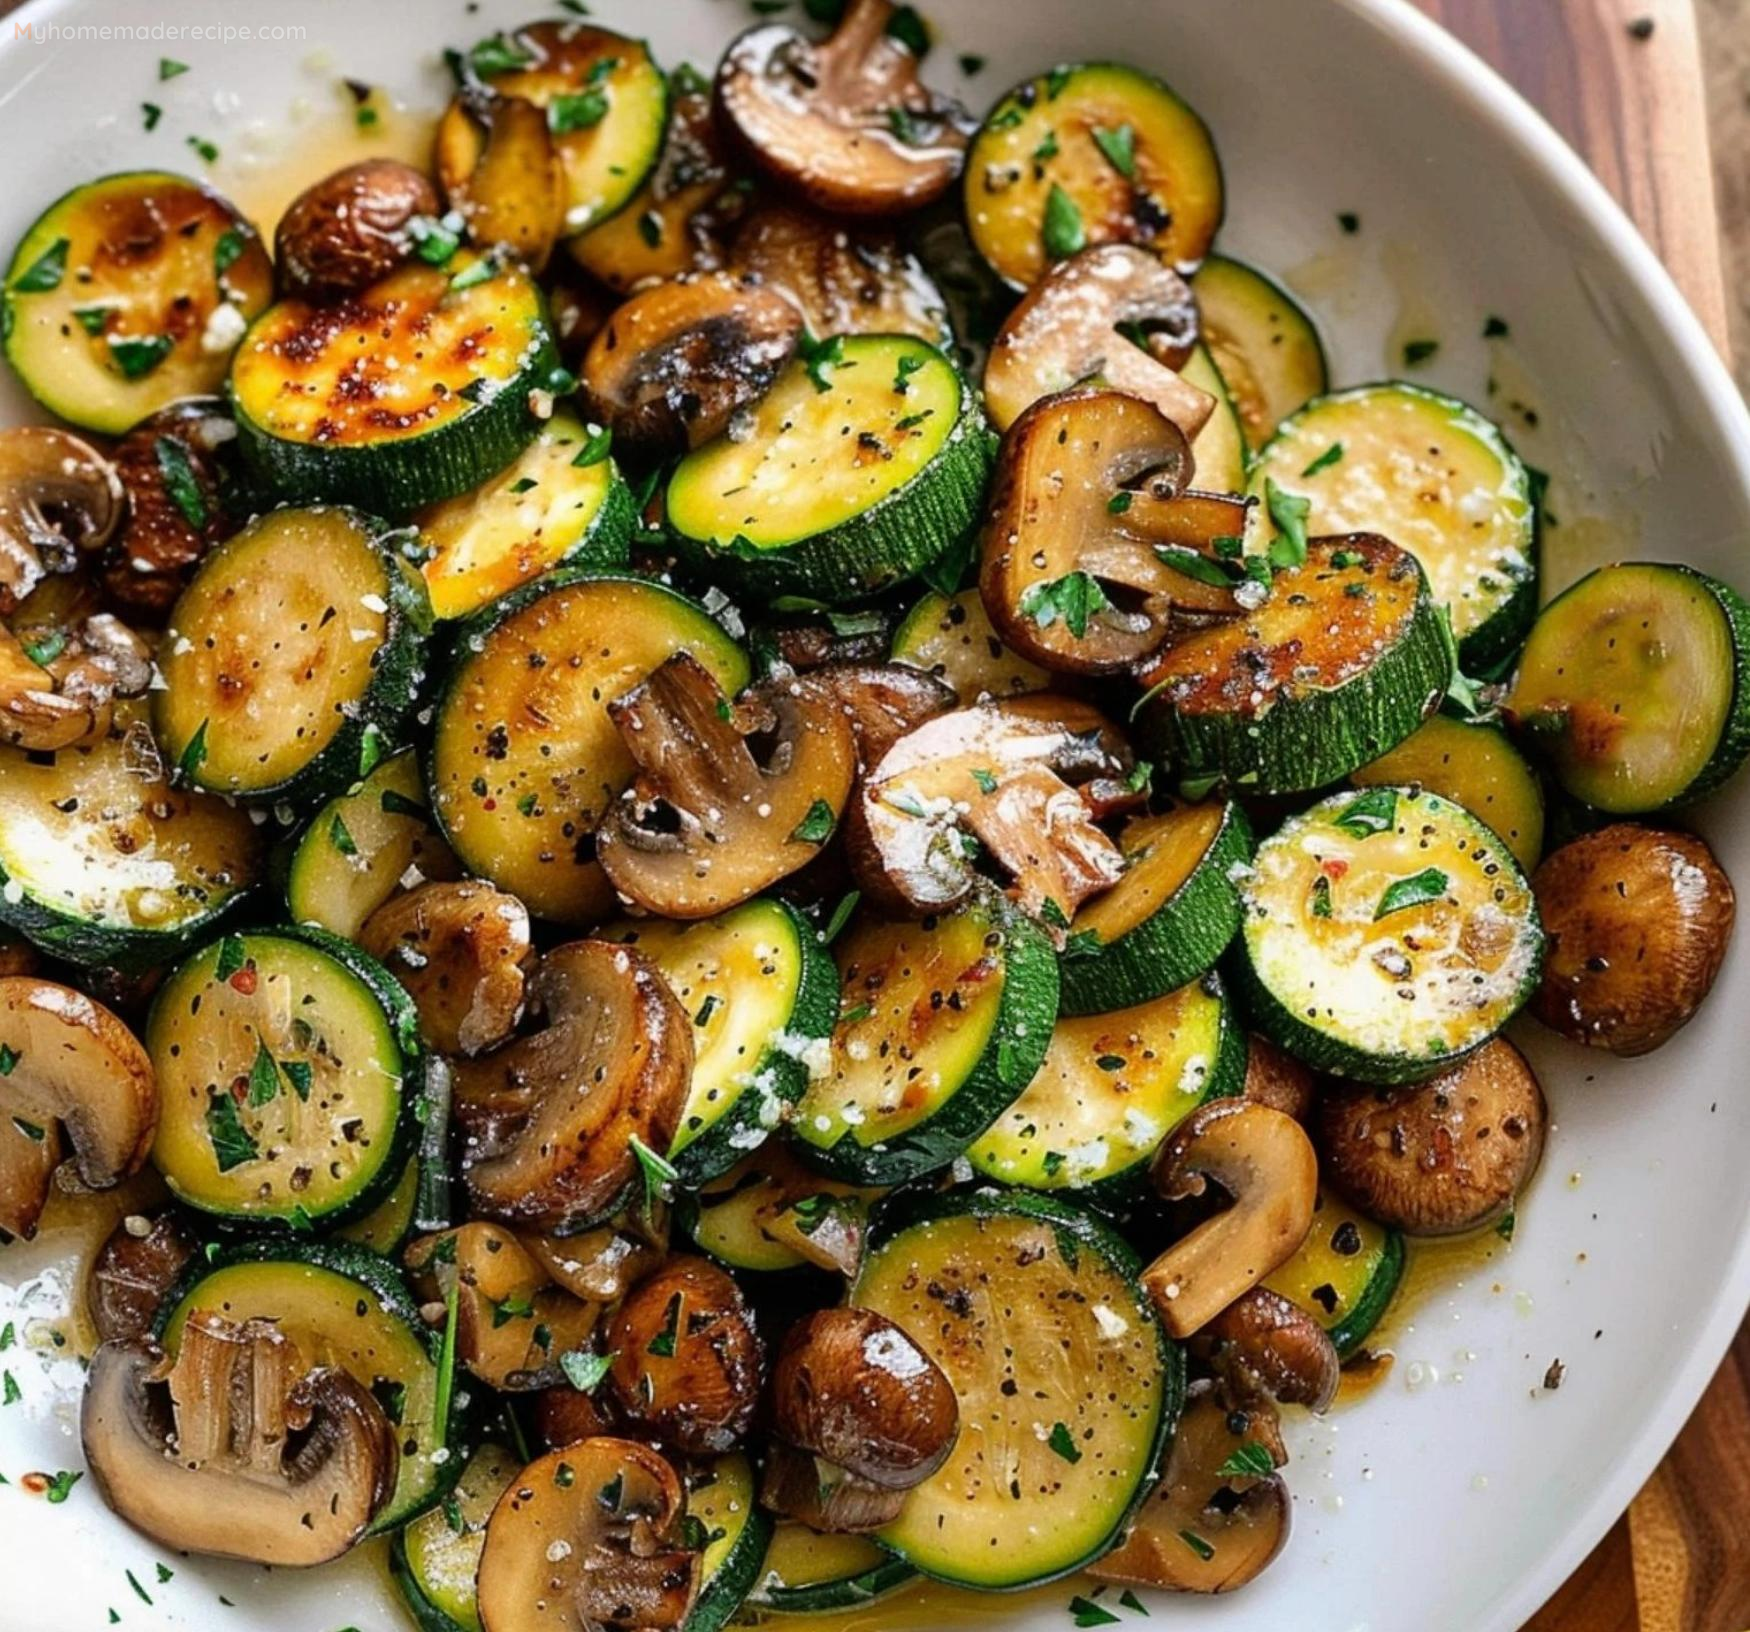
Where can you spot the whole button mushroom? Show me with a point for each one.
(1638, 921)
(688, 1360)
(862, 1415)
(1444, 1156)
(351, 228)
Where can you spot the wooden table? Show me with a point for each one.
(1633, 105)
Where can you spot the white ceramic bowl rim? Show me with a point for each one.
(1659, 311)
(1662, 309)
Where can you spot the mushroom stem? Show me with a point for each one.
(1266, 1163)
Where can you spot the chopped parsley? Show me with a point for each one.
(1375, 811)
(1289, 512)
(1247, 1460)
(232, 1143)
(180, 481)
(1415, 891)
(816, 827)
(45, 272)
(1062, 1441)
(1071, 599)
(663, 1344)
(585, 1371)
(1325, 460)
(1064, 233)
(1119, 146)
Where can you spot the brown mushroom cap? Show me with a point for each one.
(513, 1324)
(1241, 1521)
(1065, 464)
(549, 1120)
(74, 1063)
(688, 1360)
(1266, 1163)
(1066, 329)
(1638, 920)
(459, 949)
(672, 366)
(58, 497)
(350, 229)
(844, 121)
(1262, 1346)
(154, 553)
(1004, 771)
(132, 1272)
(589, 1536)
(851, 1387)
(502, 173)
(843, 278)
(706, 826)
(1277, 1079)
(234, 1449)
(1444, 1156)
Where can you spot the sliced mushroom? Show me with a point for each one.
(132, 1272)
(1115, 312)
(459, 949)
(845, 121)
(58, 687)
(29, 1154)
(688, 1360)
(586, 1537)
(1264, 1347)
(552, 1122)
(603, 1264)
(1278, 1079)
(674, 364)
(883, 701)
(1094, 554)
(68, 1060)
(1002, 771)
(58, 497)
(705, 825)
(1444, 1156)
(1205, 1530)
(564, 1415)
(843, 279)
(513, 1325)
(862, 1415)
(1638, 921)
(1266, 1165)
(502, 174)
(170, 465)
(236, 1449)
(350, 229)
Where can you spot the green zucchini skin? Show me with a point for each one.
(1307, 742)
(418, 1070)
(831, 1597)
(1734, 740)
(1173, 946)
(892, 540)
(1354, 1329)
(1087, 1231)
(384, 1282)
(1326, 1051)
(396, 475)
(726, 1590)
(427, 1617)
(375, 723)
(716, 1149)
(1285, 458)
(1011, 1057)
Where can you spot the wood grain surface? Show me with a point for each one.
(1634, 105)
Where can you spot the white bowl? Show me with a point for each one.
(1460, 1494)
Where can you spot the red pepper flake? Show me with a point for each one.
(244, 980)
(1334, 869)
(34, 1484)
(489, 804)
